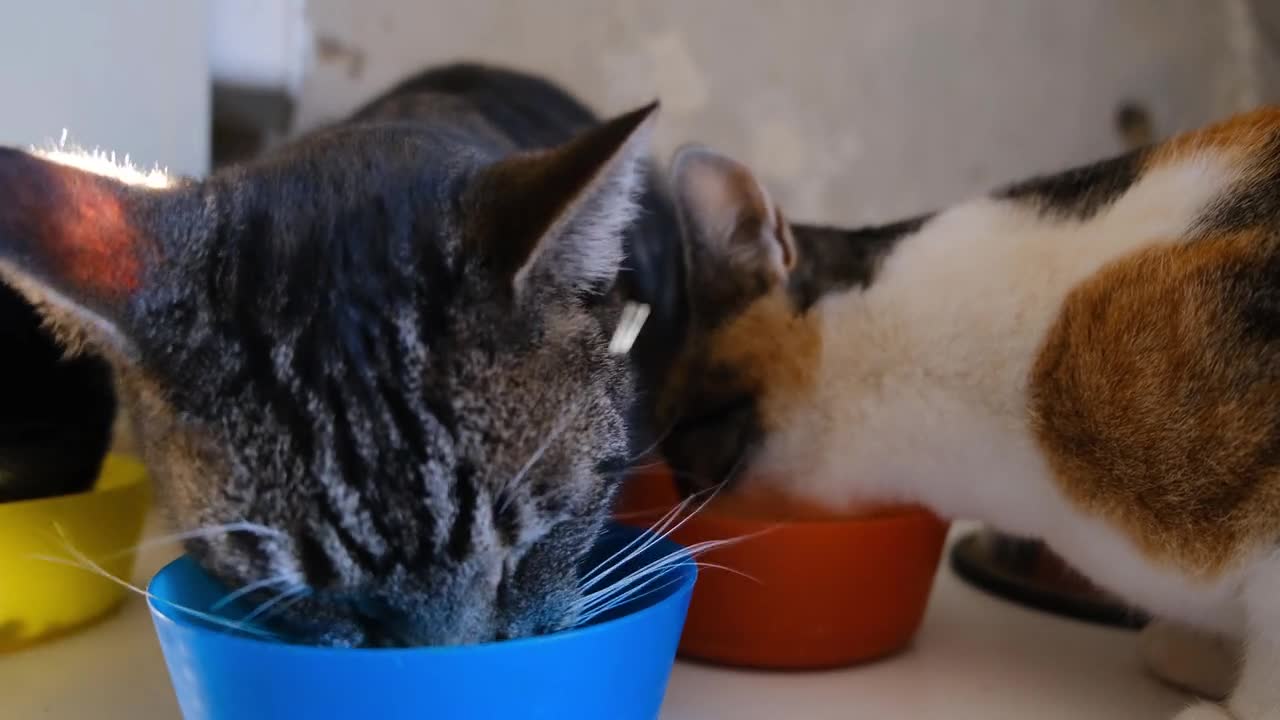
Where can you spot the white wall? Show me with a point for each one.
(854, 109)
(124, 75)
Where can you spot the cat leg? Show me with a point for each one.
(1257, 696)
(1199, 661)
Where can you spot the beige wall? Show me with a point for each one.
(855, 110)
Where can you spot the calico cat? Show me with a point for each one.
(1092, 358)
(373, 363)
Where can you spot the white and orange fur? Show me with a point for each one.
(930, 381)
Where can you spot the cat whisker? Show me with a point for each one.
(587, 613)
(654, 445)
(646, 539)
(291, 579)
(618, 595)
(198, 533)
(292, 595)
(646, 466)
(697, 478)
(594, 613)
(649, 511)
(660, 529)
(702, 565)
(81, 561)
(284, 606)
(671, 426)
(653, 570)
(640, 590)
(666, 432)
(661, 565)
(592, 604)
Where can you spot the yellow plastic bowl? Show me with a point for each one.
(40, 598)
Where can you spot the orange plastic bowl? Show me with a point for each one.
(824, 592)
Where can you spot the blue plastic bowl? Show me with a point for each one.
(616, 668)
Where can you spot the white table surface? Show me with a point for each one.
(975, 658)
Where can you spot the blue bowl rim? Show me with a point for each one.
(686, 570)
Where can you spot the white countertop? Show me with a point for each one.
(976, 658)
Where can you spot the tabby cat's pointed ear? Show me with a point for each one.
(557, 216)
(72, 244)
(729, 222)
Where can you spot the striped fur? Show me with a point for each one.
(1088, 357)
(385, 342)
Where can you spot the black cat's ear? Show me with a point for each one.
(729, 222)
(557, 216)
(71, 243)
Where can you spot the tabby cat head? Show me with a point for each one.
(370, 359)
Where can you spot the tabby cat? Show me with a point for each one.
(1092, 358)
(375, 361)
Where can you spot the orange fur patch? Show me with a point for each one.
(774, 350)
(1156, 398)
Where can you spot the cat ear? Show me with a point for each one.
(557, 216)
(730, 223)
(737, 244)
(70, 245)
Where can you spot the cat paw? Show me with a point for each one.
(1204, 711)
(1190, 659)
